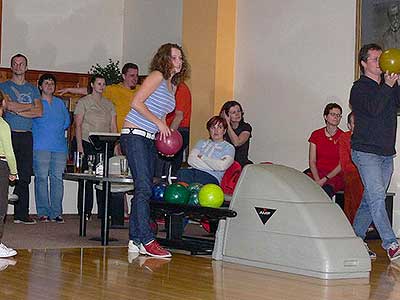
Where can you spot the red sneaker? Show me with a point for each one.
(154, 249)
(393, 251)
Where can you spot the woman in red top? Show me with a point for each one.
(324, 152)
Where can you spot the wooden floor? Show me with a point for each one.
(109, 273)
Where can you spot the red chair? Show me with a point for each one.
(230, 178)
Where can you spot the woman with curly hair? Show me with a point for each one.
(154, 100)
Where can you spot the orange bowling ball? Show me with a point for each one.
(390, 61)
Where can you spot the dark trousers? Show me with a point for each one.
(23, 149)
(164, 163)
(4, 171)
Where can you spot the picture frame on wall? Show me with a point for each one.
(377, 21)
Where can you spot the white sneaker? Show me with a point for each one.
(4, 263)
(6, 252)
(132, 256)
(132, 248)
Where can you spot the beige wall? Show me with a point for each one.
(75, 34)
(209, 40)
(62, 35)
(293, 57)
(147, 25)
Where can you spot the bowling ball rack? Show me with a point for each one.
(175, 214)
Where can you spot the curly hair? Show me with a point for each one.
(162, 62)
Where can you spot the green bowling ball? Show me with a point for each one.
(194, 187)
(177, 194)
(390, 61)
(211, 195)
(194, 199)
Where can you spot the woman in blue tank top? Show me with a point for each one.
(154, 100)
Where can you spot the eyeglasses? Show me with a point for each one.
(376, 59)
(332, 114)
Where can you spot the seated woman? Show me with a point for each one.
(238, 132)
(324, 152)
(353, 187)
(210, 158)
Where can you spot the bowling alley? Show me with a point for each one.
(213, 149)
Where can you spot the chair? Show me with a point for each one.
(230, 178)
(117, 192)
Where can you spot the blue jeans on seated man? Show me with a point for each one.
(375, 171)
(196, 176)
(47, 165)
(141, 153)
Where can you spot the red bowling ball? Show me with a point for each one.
(171, 145)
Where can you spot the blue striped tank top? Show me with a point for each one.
(160, 103)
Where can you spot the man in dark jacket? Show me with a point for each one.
(374, 100)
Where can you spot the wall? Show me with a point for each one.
(292, 58)
(209, 40)
(147, 25)
(62, 35)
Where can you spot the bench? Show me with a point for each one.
(175, 215)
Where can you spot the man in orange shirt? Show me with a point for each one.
(179, 120)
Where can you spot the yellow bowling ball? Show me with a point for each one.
(390, 61)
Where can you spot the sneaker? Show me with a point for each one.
(12, 198)
(393, 251)
(154, 249)
(152, 263)
(6, 252)
(27, 221)
(371, 253)
(132, 256)
(44, 219)
(133, 248)
(4, 263)
(59, 220)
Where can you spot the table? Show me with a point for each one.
(106, 181)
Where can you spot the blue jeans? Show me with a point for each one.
(49, 165)
(375, 171)
(196, 176)
(141, 154)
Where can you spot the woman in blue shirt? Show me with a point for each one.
(49, 152)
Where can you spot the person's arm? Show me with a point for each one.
(312, 162)
(176, 122)
(78, 120)
(9, 152)
(237, 140)
(195, 161)
(67, 119)
(27, 110)
(149, 85)
(218, 164)
(77, 90)
(333, 173)
(371, 100)
(114, 123)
